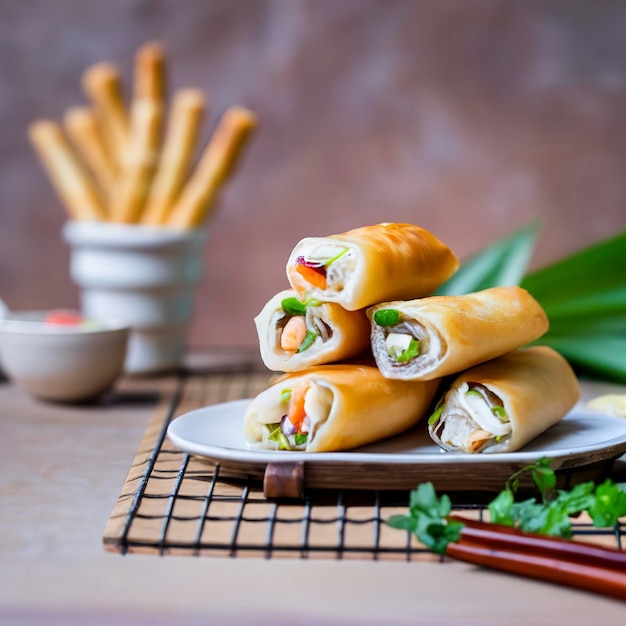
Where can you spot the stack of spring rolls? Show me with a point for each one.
(367, 351)
(135, 163)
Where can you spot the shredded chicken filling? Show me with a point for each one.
(431, 345)
(472, 419)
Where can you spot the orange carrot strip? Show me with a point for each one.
(295, 413)
(315, 279)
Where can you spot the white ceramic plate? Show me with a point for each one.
(216, 432)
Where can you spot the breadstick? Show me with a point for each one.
(216, 164)
(140, 162)
(150, 78)
(66, 172)
(178, 150)
(82, 127)
(103, 85)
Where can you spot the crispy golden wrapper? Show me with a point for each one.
(455, 332)
(371, 264)
(503, 404)
(347, 406)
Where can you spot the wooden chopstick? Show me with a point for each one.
(506, 537)
(572, 563)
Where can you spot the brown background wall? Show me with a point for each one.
(469, 118)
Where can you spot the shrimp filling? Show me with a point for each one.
(297, 333)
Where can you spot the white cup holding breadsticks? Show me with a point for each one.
(139, 198)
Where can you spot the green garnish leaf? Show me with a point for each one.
(473, 392)
(285, 395)
(386, 317)
(428, 516)
(313, 302)
(308, 340)
(300, 438)
(411, 352)
(428, 519)
(293, 306)
(500, 508)
(609, 504)
(434, 418)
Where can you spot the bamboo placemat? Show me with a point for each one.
(174, 503)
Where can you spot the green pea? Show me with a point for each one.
(386, 317)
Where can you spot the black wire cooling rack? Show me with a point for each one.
(175, 503)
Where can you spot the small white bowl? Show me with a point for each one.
(62, 363)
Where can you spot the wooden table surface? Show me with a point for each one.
(61, 471)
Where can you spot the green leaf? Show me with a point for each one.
(500, 508)
(598, 354)
(293, 306)
(541, 466)
(584, 296)
(579, 499)
(544, 477)
(410, 353)
(595, 271)
(428, 518)
(276, 435)
(503, 262)
(434, 418)
(609, 504)
(424, 499)
(402, 522)
(308, 340)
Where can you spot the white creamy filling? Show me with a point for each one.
(318, 402)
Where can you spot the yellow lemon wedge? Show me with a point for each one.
(610, 404)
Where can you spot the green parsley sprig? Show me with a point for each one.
(429, 514)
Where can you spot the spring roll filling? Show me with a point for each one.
(327, 266)
(314, 329)
(303, 410)
(471, 418)
(406, 340)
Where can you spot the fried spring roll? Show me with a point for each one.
(334, 407)
(66, 172)
(503, 404)
(371, 264)
(294, 335)
(441, 335)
